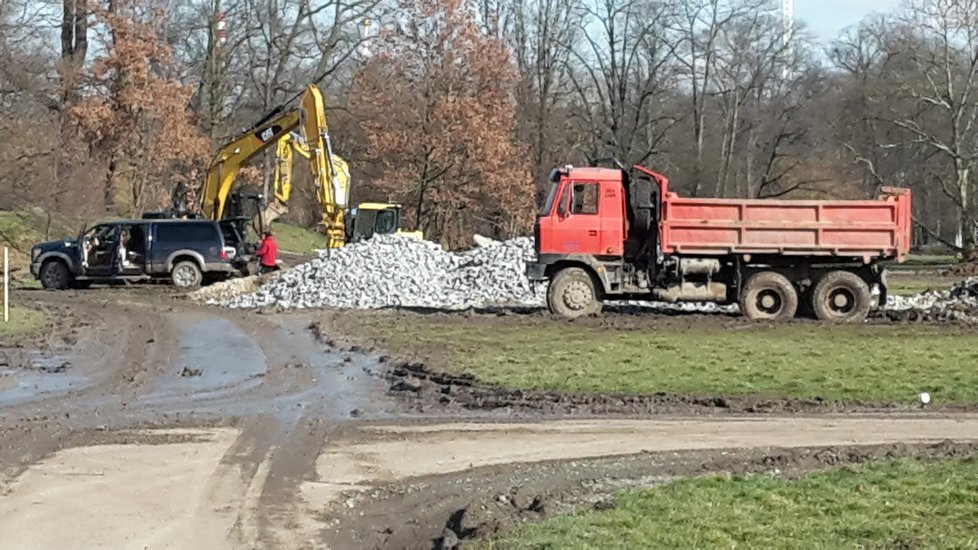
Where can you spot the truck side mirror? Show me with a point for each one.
(563, 207)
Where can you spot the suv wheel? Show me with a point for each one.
(186, 274)
(55, 275)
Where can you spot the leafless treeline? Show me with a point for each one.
(718, 94)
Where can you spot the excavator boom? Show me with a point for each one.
(332, 185)
(227, 163)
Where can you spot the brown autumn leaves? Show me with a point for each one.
(134, 116)
(437, 109)
(435, 105)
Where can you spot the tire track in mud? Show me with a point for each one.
(283, 414)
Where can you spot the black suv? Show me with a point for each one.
(185, 251)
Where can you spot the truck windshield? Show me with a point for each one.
(549, 203)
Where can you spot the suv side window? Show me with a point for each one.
(186, 233)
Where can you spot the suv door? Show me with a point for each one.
(99, 246)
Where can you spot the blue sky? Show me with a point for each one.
(826, 18)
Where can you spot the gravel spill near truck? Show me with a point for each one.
(958, 303)
(390, 271)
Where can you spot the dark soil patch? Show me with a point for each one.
(426, 389)
(965, 269)
(448, 511)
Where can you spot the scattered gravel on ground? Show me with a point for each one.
(958, 303)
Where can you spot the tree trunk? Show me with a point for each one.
(966, 223)
(108, 191)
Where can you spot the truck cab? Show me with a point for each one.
(584, 213)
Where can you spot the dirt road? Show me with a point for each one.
(157, 424)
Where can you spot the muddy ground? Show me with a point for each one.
(144, 421)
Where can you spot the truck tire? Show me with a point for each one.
(768, 296)
(186, 275)
(55, 275)
(841, 297)
(572, 294)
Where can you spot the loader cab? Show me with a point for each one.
(584, 213)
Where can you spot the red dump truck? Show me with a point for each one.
(610, 234)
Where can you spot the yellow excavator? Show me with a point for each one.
(305, 130)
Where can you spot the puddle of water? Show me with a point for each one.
(347, 387)
(215, 356)
(47, 376)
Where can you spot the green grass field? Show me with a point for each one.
(23, 322)
(896, 504)
(296, 239)
(909, 287)
(919, 260)
(299, 240)
(802, 360)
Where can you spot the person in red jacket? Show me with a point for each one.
(267, 254)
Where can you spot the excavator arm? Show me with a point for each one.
(228, 161)
(292, 143)
(283, 164)
(331, 173)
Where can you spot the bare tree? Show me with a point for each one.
(701, 26)
(542, 33)
(938, 45)
(618, 75)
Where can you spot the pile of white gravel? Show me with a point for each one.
(389, 271)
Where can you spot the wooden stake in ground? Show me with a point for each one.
(6, 285)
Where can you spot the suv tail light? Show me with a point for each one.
(227, 253)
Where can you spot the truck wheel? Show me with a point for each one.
(841, 297)
(768, 296)
(55, 275)
(186, 275)
(572, 294)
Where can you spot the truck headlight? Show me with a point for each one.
(35, 252)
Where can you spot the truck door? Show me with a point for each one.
(577, 228)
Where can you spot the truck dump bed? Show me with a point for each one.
(857, 229)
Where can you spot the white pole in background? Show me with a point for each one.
(6, 285)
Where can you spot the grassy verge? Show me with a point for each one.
(296, 239)
(923, 261)
(794, 360)
(910, 287)
(905, 284)
(23, 322)
(22, 229)
(896, 504)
